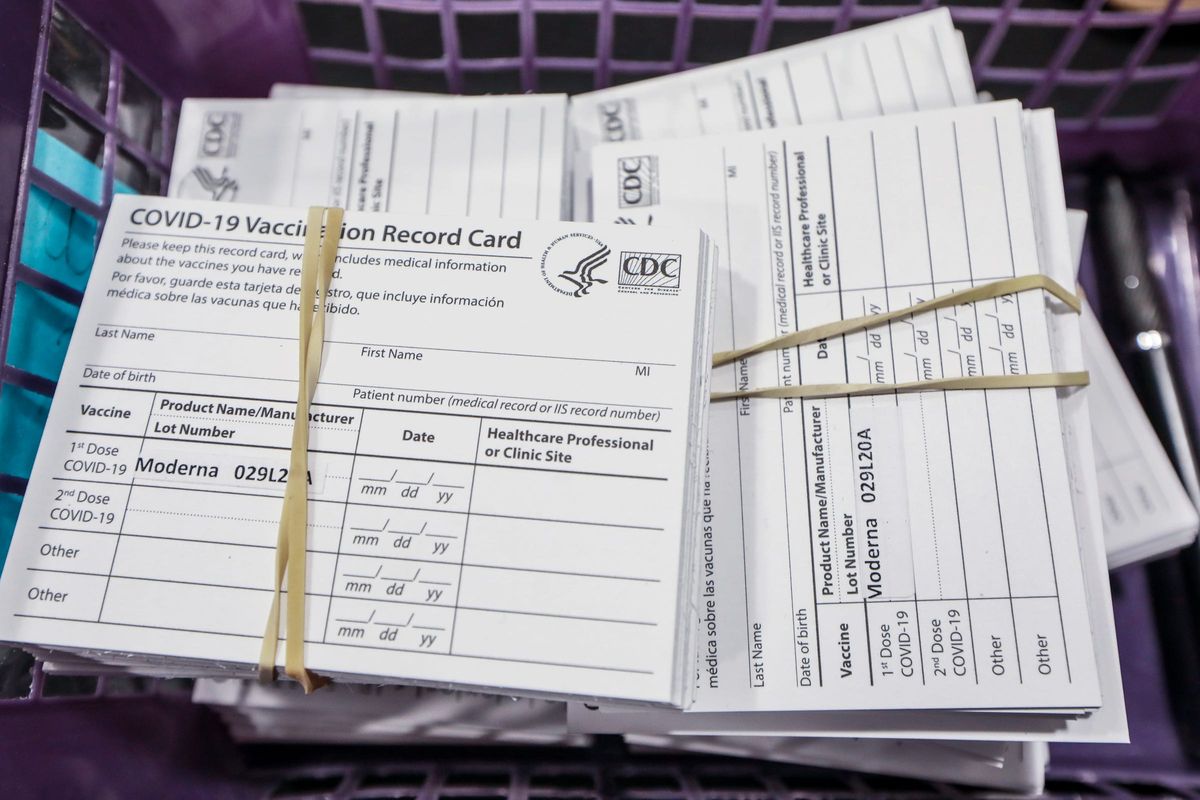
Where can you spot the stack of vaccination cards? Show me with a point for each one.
(516, 484)
(503, 487)
(907, 563)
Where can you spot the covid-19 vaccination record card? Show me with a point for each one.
(918, 551)
(499, 156)
(503, 473)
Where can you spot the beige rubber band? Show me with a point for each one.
(984, 291)
(291, 547)
(1036, 380)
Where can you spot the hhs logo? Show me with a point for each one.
(202, 184)
(653, 273)
(637, 178)
(570, 263)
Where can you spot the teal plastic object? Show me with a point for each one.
(41, 330)
(22, 417)
(68, 167)
(10, 506)
(59, 241)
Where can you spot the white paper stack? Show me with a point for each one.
(394, 715)
(474, 390)
(931, 551)
(350, 714)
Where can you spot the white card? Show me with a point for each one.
(913, 63)
(933, 563)
(486, 156)
(383, 714)
(502, 481)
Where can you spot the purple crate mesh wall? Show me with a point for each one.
(371, 37)
(1126, 85)
(1108, 72)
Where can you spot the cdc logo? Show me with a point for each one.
(618, 120)
(655, 273)
(637, 181)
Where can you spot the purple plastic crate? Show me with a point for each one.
(1126, 86)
